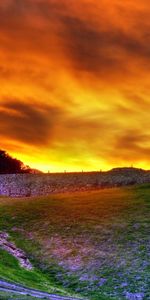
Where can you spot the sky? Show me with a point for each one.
(75, 83)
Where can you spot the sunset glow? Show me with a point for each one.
(75, 83)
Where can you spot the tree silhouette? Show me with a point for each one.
(10, 165)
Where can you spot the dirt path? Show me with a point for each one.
(20, 290)
(13, 250)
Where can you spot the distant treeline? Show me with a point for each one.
(10, 165)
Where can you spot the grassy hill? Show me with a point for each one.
(94, 243)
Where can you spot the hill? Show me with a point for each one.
(94, 243)
(128, 171)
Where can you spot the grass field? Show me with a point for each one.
(95, 244)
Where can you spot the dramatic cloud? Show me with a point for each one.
(74, 79)
(28, 124)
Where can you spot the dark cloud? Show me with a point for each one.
(98, 50)
(27, 123)
(88, 48)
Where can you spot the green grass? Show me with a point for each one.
(10, 270)
(12, 296)
(92, 243)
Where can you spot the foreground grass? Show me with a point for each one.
(11, 270)
(96, 243)
(10, 296)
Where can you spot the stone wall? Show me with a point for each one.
(25, 185)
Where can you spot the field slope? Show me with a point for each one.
(95, 244)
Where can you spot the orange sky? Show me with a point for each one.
(75, 83)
